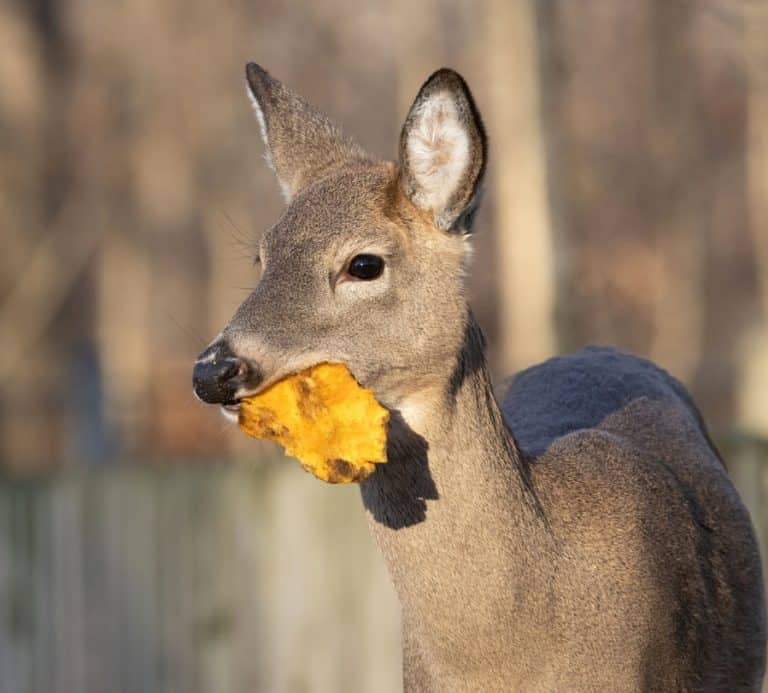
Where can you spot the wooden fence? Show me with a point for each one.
(208, 579)
(201, 579)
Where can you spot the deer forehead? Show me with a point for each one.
(357, 211)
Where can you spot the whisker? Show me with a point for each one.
(237, 233)
(188, 331)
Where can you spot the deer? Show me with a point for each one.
(580, 533)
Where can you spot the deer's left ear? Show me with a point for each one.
(443, 151)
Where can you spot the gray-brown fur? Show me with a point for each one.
(586, 539)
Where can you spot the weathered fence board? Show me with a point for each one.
(208, 579)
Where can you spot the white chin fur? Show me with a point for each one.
(230, 412)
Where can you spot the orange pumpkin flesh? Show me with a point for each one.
(321, 416)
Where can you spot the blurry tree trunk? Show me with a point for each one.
(676, 145)
(713, 179)
(757, 67)
(49, 288)
(123, 330)
(591, 52)
(50, 272)
(524, 234)
(753, 391)
(418, 52)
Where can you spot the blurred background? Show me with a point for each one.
(145, 544)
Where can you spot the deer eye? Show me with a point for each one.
(365, 267)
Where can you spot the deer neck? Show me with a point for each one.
(453, 509)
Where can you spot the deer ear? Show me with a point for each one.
(302, 144)
(443, 151)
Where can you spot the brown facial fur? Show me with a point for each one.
(585, 539)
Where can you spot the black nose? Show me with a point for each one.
(219, 374)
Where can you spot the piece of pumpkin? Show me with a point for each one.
(324, 418)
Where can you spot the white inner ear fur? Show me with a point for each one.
(267, 151)
(438, 149)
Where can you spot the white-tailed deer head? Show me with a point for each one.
(366, 265)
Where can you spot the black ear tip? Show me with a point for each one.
(256, 75)
(446, 77)
(447, 73)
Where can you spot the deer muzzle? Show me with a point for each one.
(221, 377)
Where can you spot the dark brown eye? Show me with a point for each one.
(365, 267)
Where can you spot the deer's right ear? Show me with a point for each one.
(443, 151)
(302, 143)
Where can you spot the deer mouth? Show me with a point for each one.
(231, 410)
